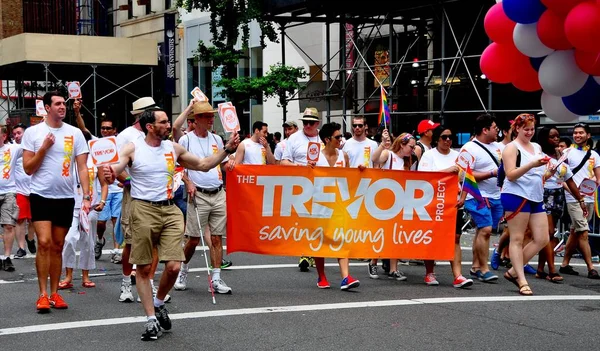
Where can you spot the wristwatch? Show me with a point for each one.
(87, 198)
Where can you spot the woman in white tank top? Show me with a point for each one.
(522, 198)
(332, 156)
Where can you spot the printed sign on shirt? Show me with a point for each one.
(587, 187)
(104, 151)
(199, 95)
(229, 117)
(74, 89)
(40, 109)
(313, 151)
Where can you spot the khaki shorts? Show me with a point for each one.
(578, 222)
(212, 211)
(125, 206)
(9, 211)
(160, 226)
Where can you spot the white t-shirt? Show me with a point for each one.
(432, 160)
(128, 135)
(152, 171)
(360, 152)
(10, 153)
(397, 163)
(530, 185)
(22, 179)
(559, 177)
(54, 177)
(484, 163)
(202, 148)
(254, 153)
(587, 171)
(340, 161)
(297, 147)
(278, 154)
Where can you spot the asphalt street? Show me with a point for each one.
(274, 306)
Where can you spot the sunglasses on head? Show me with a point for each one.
(446, 136)
(358, 125)
(309, 123)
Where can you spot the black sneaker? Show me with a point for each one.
(31, 246)
(226, 264)
(152, 331)
(303, 264)
(98, 248)
(593, 274)
(20, 253)
(568, 270)
(162, 315)
(8, 266)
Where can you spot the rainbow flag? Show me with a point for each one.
(384, 110)
(470, 187)
(597, 201)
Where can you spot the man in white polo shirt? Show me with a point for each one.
(255, 150)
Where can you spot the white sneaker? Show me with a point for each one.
(220, 287)
(181, 283)
(126, 295)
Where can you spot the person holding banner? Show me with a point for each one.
(155, 219)
(585, 164)
(485, 154)
(523, 199)
(360, 148)
(289, 128)
(443, 159)
(296, 154)
(332, 156)
(255, 150)
(397, 157)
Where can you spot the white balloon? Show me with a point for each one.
(556, 110)
(528, 42)
(559, 74)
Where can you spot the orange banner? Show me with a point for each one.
(341, 212)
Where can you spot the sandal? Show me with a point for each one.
(555, 278)
(525, 290)
(88, 284)
(64, 285)
(511, 279)
(541, 275)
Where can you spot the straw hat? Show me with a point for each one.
(202, 107)
(142, 104)
(310, 114)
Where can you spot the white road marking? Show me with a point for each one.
(297, 308)
(109, 251)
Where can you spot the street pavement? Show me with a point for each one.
(274, 306)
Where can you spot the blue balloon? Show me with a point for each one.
(523, 11)
(536, 62)
(586, 101)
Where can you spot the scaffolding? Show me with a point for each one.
(86, 21)
(425, 53)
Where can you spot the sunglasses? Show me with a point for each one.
(338, 137)
(446, 136)
(358, 125)
(191, 121)
(309, 123)
(106, 128)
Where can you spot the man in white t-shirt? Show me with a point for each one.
(586, 163)
(156, 222)
(425, 131)
(486, 156)
(9, 211)
(255, 150)
(50, 150)
(289, 128)
(295, 154)
(208, 197)
(360, 148)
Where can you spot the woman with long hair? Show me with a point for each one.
(554, 198)
(398, 156)
(522, 197)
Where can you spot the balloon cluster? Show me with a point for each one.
(549, 45)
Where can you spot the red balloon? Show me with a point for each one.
(551, 30)
(527, 80)
(498, 26)
(561, 7)
(581, 27)
(498, 62)
(589, 62)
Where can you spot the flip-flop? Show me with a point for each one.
(88, 284)
(65, 285)
(525, 290)
(555, 278)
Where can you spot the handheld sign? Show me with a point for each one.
(74, 90)
(587, 187)
(40, 109)
(313, 151)
(562, 159)
(104, 151)
(463, 160)
(199, 95)
(229, 117)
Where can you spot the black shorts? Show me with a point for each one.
(57, 211)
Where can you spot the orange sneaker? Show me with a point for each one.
(57, 302)
(43, 304)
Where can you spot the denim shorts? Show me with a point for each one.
(488, 216)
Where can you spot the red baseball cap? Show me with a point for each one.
(426, 125)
